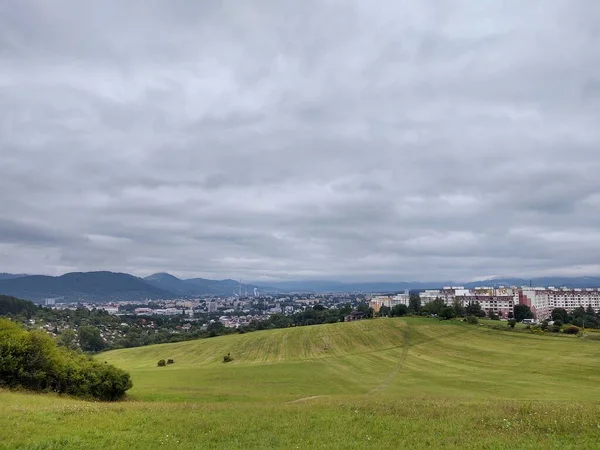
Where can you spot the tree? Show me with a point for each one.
(474, 309)
(560, 314)
(90, 339)
(522, 312)
(67, 338)
(578, 312)
(384, 311)
(492, 315)
(435, 307)
(459, 309)
(447, 313)
(364, 307)
(399, 310)
(414, 303)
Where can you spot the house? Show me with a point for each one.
(354, 315)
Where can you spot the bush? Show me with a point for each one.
(227, 358)
(161, 363)
(170, 361)
(511, 323)
(472, 320)
(571, 330)
(32, 360)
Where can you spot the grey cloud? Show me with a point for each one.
(300, 139)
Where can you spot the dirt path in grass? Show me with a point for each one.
(305, 399)
(387, 380)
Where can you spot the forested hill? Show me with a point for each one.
(82, 286)
(12, 305)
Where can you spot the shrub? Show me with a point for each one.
(227, 358)
(571, 330)
(472, 320)
(511, 323)
(32, 360)
(170, 361)
(555, 328)
(162, 363)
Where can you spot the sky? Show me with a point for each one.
(278, 140)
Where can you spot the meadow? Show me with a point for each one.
(383, 383)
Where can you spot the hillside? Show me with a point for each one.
(90, 286)
(357, 357)
(384, 383)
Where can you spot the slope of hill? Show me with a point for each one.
(384, 383)
(90, 286)
(12, 305)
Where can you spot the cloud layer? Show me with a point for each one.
(266, 140)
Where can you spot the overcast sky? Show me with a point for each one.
(390, 140)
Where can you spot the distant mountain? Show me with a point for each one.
(198, 286)
(110, 286)
(82, 286)
(379, 287)
(571, 282)
(337, 286)
(9, 276)
(170, 283)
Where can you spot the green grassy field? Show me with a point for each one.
(384, 383)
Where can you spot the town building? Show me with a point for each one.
(543, 300)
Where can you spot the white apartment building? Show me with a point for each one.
(543, 300)
(390, 301)
(500, 300)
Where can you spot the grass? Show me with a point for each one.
(385, 383)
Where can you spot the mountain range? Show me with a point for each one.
(111, 286)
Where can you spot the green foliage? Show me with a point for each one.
(90, 339)
(227, 358)
(474, 309)
(459, 309)
(414, 303)
(447, 313)
(472, 320)
(12, 305)
(399, 310)
(511, 323)
(572, 329)
(384, 311)
(161, 363)
(170, 361)
(67, 338)
(364, 307)
(32, 360)
(493, 316)
(560, 314)
(522, 312)
(435, 307)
